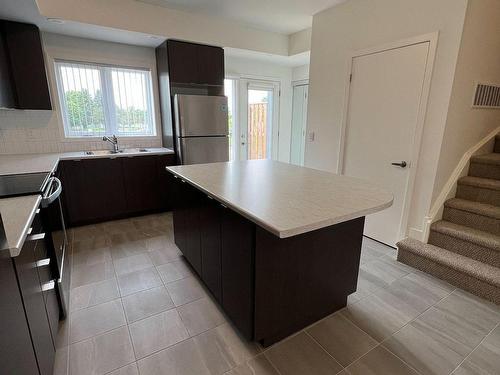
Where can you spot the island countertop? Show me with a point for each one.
(285, 199)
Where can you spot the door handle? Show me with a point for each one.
(402, 164)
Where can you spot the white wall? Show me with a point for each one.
(300, 73)
(140, 17)
(478, 61)
(359, 24)
(248, 68)
(42, 131)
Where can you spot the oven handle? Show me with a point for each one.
(47, 200)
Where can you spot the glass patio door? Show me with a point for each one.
(260, 131)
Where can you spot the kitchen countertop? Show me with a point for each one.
(32, 163)
(284, 199)
(18, 212)
(17, 216)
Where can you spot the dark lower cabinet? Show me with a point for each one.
(35, 307)
(210, 216)
(16, 350)
(269, 287)
(96, 190)
(237, 270)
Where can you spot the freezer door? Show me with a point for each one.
(198, 115)
(200, 150)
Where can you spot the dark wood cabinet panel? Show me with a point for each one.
(237, 270)
(141, 183)
(23, 47)
(165, 181)
(191, 63)
(74, 181)
(34, 305)
(16, 350)
(210, 243)
(182, 62)
(6, 90)
(103, 189)
(210, 65)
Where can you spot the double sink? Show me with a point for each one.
(112, 152)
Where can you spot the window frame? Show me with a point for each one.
(109, 107)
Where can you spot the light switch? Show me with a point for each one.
(311, 136)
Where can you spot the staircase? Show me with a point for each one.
(464, 247)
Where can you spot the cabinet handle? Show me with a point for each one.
(37, 211)
(29, 231)
(43, 262)
(48, 286)
(223, 205)
(209, 197)
(36, 237)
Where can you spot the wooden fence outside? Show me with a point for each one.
(257, 131)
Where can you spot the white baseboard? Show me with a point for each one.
(436, 212)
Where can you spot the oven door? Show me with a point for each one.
(57, 242)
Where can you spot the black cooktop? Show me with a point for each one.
(15, 185)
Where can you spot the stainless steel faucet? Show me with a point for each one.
(114, 141)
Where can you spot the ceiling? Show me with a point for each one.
(27, 11)
(282, 16)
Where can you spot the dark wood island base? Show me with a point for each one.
(269, 287)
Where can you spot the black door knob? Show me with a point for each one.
(402, 164)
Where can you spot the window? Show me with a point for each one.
(99, 100)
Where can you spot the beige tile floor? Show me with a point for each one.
(137, 308)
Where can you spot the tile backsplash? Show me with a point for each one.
(33, 132)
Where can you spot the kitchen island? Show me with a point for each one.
(277, 245)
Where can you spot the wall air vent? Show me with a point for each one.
(487, 96)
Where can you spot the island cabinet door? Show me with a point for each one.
(210, 240)
(237, 270)
(187, 223)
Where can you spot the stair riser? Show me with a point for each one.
(478, 194)
(471, 220)
(465, 248)
(497, 145)
(457, 278)
(484, 170)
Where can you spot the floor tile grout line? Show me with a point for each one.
(324, 349)
(381, 343)
(124, 313)
(477, 346)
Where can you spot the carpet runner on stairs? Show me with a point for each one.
(464, 247)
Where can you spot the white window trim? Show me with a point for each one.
(108, 97)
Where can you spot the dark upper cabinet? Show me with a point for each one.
(191, 63)
(211, 65)
(183, 62)
(23, 62)
(6, 93)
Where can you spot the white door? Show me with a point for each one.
(384, 102)
(299, 121)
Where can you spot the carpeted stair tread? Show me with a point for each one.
(457, 262)
(492, 159)
(464, 233)
(483, 209)
(484, 183)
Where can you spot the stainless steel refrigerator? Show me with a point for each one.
(201, 128)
